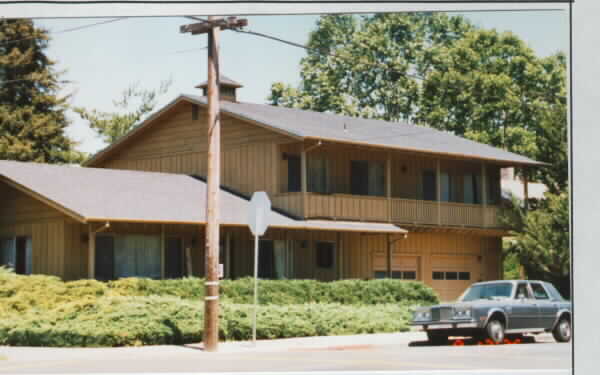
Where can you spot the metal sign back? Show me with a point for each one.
(258, 214)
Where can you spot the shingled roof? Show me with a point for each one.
(98, 194)
(305, 124)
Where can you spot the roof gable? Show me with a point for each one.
(303, 125)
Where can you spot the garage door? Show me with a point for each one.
(403, 267)
(452, 274)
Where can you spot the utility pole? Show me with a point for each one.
(212, 27)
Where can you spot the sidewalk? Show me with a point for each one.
(354, 342)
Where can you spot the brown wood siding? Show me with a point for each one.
(178, 144)
(21, 215)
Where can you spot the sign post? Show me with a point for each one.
(260, 206)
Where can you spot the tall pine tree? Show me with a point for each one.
(32, 113)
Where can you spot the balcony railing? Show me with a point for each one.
(382, 209)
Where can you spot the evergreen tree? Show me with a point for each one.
(113, 125)
(32, 113)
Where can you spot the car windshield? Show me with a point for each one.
(487, 291)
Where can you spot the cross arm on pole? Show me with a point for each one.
(229, 23)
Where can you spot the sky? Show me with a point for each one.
(102, 61)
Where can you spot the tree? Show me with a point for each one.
(32, 114)
(113, 125)
(541, 240)
(432, 70)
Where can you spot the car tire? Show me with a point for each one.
(437, 338)
(562, 331)
(495, 331)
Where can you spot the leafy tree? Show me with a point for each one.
(541, 240)
(32, 113)
(433, 70)
(113, 125)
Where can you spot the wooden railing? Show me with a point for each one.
(382, 209)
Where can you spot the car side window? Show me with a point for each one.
(522, 291)
(538, 291)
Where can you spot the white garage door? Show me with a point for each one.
(452, 274)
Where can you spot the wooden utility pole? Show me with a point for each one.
(212, 27)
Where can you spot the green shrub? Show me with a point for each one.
(45, 311)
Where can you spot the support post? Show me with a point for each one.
(388, 185)
(91, 252)
(389, 256)
(211, 303)
(228, 254)
(303, 180)
(483, 194)
(162, 251)
(438, 179)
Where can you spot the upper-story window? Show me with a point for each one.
(294, 182)
(429, 185)
(367, 178)
(318, 181)
(446, 187)
(471, 183)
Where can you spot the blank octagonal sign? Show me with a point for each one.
(258, 213)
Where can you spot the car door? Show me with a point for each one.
(523, 310)
(547, 309)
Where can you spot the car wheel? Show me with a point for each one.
(495, 331)
(562, 331)
(437, 338)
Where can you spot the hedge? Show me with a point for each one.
(41, 310)
(119, 321)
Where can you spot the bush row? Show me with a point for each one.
(22, 292)
(119, 321)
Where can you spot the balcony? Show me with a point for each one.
(383, 209)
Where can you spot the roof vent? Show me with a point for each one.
(227, 88)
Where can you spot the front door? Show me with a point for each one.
(105, 256)
(173, 258)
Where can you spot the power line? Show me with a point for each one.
(190, 50)
(5, 42)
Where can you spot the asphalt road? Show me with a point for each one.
(410, 355)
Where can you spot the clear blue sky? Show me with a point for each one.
(104, 60)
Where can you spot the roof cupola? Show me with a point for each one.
(227, 88)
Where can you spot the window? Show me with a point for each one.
(137, 256)
(325, 254)
(471, 184)
(274, 260)
(317, 175)
(367, 178)
(401, 275)
(294, 173)
(16, 253)
(105, 258)
(538, 291)
(429, 186)
(195, 112)
(446, 182)
(522, 291)
(451, 275)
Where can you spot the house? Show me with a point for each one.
(352, 198)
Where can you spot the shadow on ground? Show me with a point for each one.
(475, 342)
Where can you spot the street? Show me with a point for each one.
(391, 352)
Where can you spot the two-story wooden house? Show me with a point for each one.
(352, 198)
